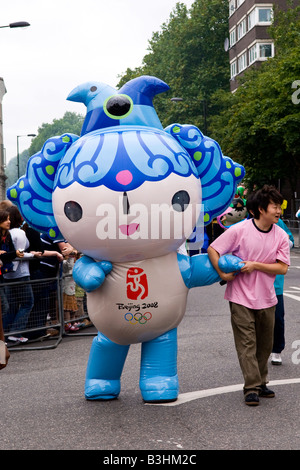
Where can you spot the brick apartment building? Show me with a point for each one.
(249, 41)
(249, 45)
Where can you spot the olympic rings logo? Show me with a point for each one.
(138, 317)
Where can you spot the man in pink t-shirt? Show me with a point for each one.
(264, 248)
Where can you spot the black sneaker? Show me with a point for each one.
(252, 399)
(265, 392)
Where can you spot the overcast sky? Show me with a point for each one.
(67, 43)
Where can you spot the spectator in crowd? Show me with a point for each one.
(45, 291)
(5, 257)
(20, 296)
(7, 254)
(279, 327)
(4, 205)
(69, 299)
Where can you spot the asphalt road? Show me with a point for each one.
(43, 405)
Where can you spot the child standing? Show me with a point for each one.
(69, 299)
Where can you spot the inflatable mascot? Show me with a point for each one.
(127, 194)
(236, 212)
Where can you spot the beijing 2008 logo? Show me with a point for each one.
(137, 284)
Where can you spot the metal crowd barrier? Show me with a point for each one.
(47, 323)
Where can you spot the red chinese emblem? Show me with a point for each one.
(137, 284)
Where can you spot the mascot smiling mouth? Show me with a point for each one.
(129, 229)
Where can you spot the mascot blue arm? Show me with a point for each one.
(198, 271)
(90, 274)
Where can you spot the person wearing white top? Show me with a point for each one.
(20, 297)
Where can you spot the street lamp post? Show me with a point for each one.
(17, 24)
(3, 177)
(18, 154)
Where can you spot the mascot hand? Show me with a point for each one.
(230, 263)
(90, 274)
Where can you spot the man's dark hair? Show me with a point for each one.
(261, 198)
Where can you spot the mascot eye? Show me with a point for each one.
(73, 211)
(180, 201)
(93, 88)
(118, 107)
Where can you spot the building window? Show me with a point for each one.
(260, 16)
(232, 37)
(251, 19)
(265, 15)
(233, 69)
(261, 51)
(239, 3)
(242, 62)
(266, 51)
(231, 7)
(241, 29)
(252, 54)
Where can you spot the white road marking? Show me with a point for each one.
(290, 293)
(189, 396)
(291, 296)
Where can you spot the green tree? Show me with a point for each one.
(11, 169)
(70, 122)
(259, 124)
(188, 54)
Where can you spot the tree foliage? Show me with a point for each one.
(188, 54)
(70, 122)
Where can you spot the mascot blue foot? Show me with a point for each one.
(158, 376)
(104, 369)
(99, 389)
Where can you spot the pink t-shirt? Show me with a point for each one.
(245, 240)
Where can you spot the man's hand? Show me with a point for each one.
(269, 268)
(248, 267)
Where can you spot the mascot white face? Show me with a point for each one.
(151, 220)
